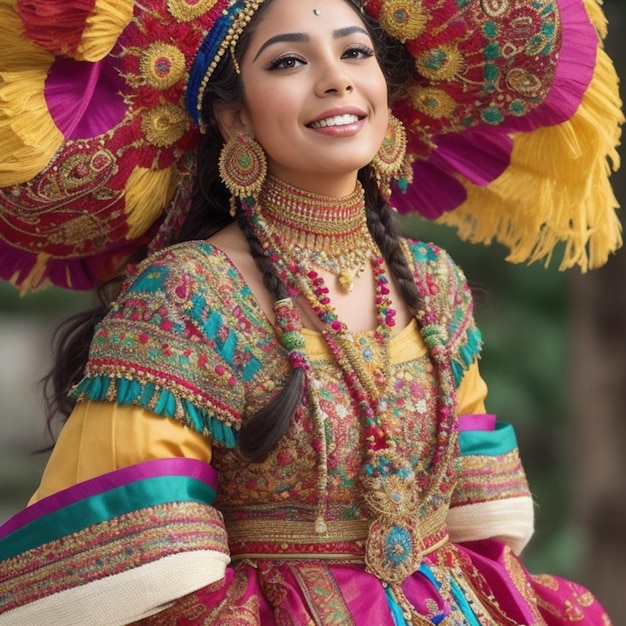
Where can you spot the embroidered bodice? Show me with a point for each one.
(188, 340)
(187, 343)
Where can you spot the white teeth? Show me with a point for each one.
(337, 120)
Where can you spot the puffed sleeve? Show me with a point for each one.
(122, 521)
(171, 344)
(102, 437)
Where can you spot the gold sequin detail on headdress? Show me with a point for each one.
(403, 19)
(164, 125)
(442, 63)
(189, 10)
(162, 65)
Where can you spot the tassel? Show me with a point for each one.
(28, 136)
(84, 30)
(104, 26)
(35, 279)
(161, 401)
(596, 16)
(565, 198)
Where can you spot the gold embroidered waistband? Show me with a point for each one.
(284, 539)
(323, 556)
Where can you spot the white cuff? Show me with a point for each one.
(510, 520)
(126, 597)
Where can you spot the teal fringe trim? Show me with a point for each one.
(467, 354)
(157, 400)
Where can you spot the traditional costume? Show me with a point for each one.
(394, 498)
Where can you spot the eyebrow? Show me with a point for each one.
(303, 37)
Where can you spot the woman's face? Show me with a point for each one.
(315, 96)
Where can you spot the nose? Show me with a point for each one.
(334, 79)
(338, 85)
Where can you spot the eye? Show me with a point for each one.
(358, 51)
(286, 62)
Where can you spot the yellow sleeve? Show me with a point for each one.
(472, 392)
(491, 498)
(101, 437)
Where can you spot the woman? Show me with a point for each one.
(319, 367)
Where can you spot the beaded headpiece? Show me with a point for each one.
(510, 115)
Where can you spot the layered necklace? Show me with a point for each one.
(301, 233)
(323, 232)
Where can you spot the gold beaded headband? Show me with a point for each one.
(222, 37)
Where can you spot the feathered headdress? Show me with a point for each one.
(512, 117)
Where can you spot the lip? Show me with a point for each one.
(338, 111)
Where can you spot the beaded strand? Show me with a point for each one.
(221, 38)
(368, 390)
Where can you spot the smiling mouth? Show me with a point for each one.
(336, 120)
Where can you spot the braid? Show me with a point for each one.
(265, 428)
(383, 226)
(271, 281)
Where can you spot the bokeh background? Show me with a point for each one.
(554, 360)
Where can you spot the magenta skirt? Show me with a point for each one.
(474, 584)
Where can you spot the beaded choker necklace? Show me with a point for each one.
(325, 233)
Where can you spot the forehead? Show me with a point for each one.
(306, 16)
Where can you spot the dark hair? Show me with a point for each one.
(70, 344)
(210, 212)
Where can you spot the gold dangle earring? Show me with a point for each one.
(243, 167)
(390, 162)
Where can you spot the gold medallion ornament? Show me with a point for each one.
(162, 65)
(243, 166)
(394, 547)
(164, 125)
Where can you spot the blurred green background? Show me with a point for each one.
(527, 363)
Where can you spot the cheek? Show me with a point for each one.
(382, 105)
(271, 111)
(276, 117)
(382, 90)
(374, 84)
(273, 138)
(382, 123)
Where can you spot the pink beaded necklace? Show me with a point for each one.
(391, 496)
(311, 218)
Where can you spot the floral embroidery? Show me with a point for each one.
(165, 347)
(484, 478)
(217, 339)
(324, 598)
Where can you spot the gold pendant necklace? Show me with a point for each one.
(319, 231)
